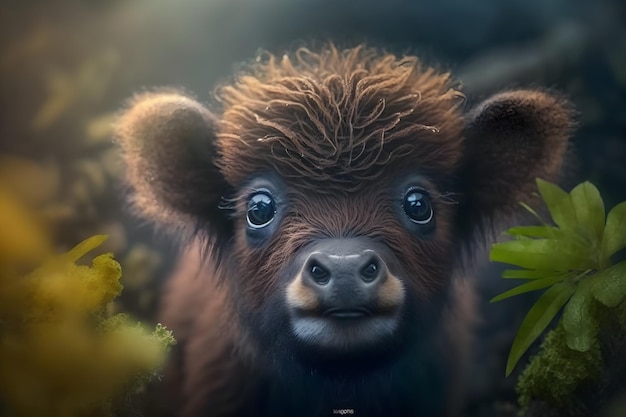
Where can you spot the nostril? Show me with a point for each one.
(370, 272)
(319, 274)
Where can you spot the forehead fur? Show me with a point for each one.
(335, 117)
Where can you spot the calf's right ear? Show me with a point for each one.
(168, 147)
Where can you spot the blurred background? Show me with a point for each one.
(68, 65)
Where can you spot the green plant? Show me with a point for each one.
(571, 260)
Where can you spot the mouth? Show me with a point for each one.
(344, 313)
(345, 330)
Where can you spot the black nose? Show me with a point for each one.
(345, 279)
(360, 269)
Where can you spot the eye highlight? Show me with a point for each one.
(417, 206)
(261, 209)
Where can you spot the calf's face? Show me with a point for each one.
(338, 190)
(341, 275)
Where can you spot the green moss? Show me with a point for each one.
(554, 374)
(620, 313)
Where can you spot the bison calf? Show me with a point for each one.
(329, 200)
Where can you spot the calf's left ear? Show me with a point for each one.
(511, 139)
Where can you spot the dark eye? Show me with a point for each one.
(261, 210)
(417, 206)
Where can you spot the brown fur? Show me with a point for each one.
(301, 296)
(527, 130)
(215, 379)
(315, 115)
(391, 293)
(336, 128)
(165, 138)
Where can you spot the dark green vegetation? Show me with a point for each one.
(572, 261)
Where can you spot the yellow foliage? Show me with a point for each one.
(21, 236)
(87, 82)
(36, 184)
(61, 354)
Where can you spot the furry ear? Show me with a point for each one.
(169, 149)
(510, 140)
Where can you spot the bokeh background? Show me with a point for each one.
(66, 67)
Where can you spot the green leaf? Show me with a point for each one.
(534, 231)
(534, 285)
(609, 286)
(546, 254)
(537, 319)
(526, 274)
(533, 212)
(559, 204)
(614, 237)
(580, 326)
(589, 209)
